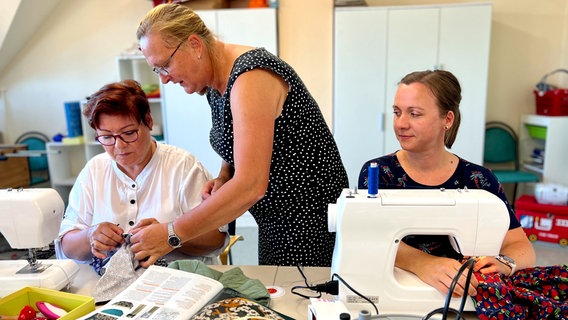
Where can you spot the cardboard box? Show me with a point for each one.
(543, 222)
(14, 171)
(76, 305)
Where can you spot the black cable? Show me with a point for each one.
(468, 264)
(356, 292)
(330, 287)
(441, 310)
(471, 263)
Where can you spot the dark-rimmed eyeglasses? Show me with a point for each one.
(162, 70)
(110, 139)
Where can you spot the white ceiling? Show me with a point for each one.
(19, 19)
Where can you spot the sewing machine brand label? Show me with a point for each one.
(357, 299)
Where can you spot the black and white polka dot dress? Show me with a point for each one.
(306, 173)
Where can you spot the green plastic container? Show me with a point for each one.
(536, 132)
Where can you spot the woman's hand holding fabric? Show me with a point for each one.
(486, 264)
(149, 242)
(104, 237)
(439, 272)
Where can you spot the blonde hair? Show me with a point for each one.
(175, 23)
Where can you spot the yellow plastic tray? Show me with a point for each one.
(76, 305)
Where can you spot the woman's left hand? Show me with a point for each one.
(487, 264)
(143, 223)
(149, 242)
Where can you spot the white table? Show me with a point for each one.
(285, 277)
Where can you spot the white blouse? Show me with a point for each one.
(168, 186)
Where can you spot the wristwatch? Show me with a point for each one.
(173, 240)
(508, 262)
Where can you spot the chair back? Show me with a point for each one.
(500, 144)
(36, 141)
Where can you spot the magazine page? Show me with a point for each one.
(160, 293)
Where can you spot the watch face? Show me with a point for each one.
(174, 241)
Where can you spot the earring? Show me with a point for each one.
(445, 127)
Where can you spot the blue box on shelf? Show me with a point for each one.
(73, 114)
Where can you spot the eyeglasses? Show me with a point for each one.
(110, 139)
(161, 70)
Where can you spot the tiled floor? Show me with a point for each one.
(549, 254)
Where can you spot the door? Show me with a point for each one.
(188, 117)
(359, 86)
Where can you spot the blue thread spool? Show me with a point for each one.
(373, 180)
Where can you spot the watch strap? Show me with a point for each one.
(172, 235)
(508, 261)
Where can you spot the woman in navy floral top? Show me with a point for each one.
(426, 122)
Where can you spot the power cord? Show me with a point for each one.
(335, 275)
(468, 264)
(331, 287)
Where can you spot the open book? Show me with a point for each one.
(162, 293)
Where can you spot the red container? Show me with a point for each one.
(552, 102)
(542, 222)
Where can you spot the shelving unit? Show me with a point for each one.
(548, 134)
(135, 67)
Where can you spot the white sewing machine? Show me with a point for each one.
(30, 219)
(369, 230)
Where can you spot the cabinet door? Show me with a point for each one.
(465, 36)
(187, 117)
(412, 46)
(253, 27)
(376, 46)
(453, 38)
(359, 86)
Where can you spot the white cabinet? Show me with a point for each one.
(376, 46)
(187, 117)
(548, 134)
(65, 161)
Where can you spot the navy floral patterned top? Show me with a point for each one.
(306, 173)
(467, 175)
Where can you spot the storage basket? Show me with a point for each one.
(551, 101)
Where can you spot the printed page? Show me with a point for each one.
(160, 294)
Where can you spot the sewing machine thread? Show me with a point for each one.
(373, 180)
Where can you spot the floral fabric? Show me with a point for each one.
(532, 293)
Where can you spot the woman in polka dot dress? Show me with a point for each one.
(280, 161)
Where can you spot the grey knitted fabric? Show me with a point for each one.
(121, 270)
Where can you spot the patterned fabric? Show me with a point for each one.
(533, 293)
(100, 264)
(120, 271)
(236, 308)
(467, 175)
(306, 173)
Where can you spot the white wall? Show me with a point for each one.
(72, 55)
(69, 57)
